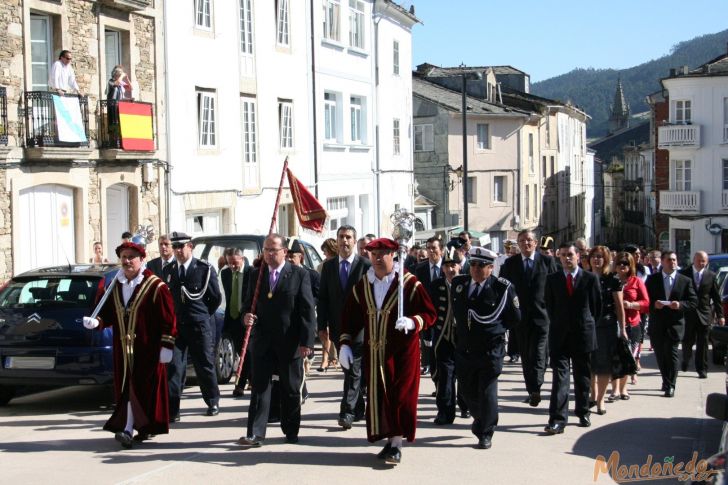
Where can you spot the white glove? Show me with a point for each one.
(165, 355)
(404, 323)
(90, 323)
(346, 357)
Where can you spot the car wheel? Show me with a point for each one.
(6, 394)
(719, 352)
(226, 359)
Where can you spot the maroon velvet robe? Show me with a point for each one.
(391, 357)
(139, 377)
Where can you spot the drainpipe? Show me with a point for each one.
(313, 97)
(375, 116)
(167, 164)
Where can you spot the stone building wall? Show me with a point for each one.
(144, 70)
(11, 62)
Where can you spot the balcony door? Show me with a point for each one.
(117, 216)
(41, 51)
(47, 227)
(112, 51)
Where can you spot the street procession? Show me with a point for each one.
(362, 241)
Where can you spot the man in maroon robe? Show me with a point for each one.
(391, 346)
(141, 311)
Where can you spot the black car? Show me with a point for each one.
(42, 338)
(211, 248)
(716, 406)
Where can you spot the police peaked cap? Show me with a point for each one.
(179, 237)
(481, 254)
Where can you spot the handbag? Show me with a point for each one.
(623, 363)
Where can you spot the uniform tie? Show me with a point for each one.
(344, 273)
(182, 273)
(476, 290)
(570, 284)
(234, 296)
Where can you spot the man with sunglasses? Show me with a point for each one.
(62, 79)
(197, 296)
(484, 307)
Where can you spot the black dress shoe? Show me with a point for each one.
(465, 414)
(174, 419)
(292, 439)
(383, 454)
(142, 437)
(702, 375)
(393, 456)
(601, 412)
(124, 438)
(273, 418)
(358, 417)
(556, 428)
(534, 399)
(441, 420)
(484, 443)
(345, 421)
(670, 392)
(584, 421)
(684, 366)
(213, 410)
(238, 392)
(592, 404)
(252, 441)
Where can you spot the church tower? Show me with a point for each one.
(619, 113)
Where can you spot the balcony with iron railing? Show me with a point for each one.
(678, 135)
(3, 116)
(680, 201)
(56, 123)
(122, 136)
(127, 5)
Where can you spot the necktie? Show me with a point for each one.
(528, 267)
(570, 284)
(475, 291)
(344, 273)
(435, 273)
(668, 286)
(697, 279)
(234, 297)
(182, 273)
(273, 279)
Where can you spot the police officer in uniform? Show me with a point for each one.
(484, 307)
(196, 294)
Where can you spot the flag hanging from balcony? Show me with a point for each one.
(136, 126)
(69, 123)
(310, 212)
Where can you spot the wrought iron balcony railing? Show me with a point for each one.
(3, 116)
(47, 126)
(110, 126)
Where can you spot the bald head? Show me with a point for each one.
(700, 260)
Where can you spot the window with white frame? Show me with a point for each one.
(527, 202)
(725, 174)
(285, 123)
(282, 24)
(356, 23)
(395, 136)
(246, 27)
(682, 175)
(424, 138)
(499, 188)
(332, 9)
(395, 58)
(357, 118)
(725, 119)
(338, 211)
(483, 136)
(250, 138)
(683, 111)
(531, 163)
(472, 190)
(548, 132)
(330, 116)
(206, 116)
(203, 14)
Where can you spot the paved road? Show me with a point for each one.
(56, 437)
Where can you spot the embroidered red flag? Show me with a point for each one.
(310, 212)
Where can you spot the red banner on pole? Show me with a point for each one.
(310, 212)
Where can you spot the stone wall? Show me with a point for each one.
(11, 61)
(145, 69)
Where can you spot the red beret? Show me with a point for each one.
(382, 243)
(130, 245)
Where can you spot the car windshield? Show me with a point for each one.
(44, 291)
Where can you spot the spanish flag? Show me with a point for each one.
(136, 126)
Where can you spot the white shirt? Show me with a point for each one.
(127, 286)
(63, 77)
(380, 286)
(350, 259)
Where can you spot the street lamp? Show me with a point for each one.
(465, 75)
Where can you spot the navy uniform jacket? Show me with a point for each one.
(496, 305)
(444, 328)
(199, 276)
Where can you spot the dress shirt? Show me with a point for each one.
(127, 286)
(63, 77)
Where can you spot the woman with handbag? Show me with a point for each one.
(609, 326)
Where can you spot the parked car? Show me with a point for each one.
(716, 406)
(42, 338)
(210, 249)
(718, 263)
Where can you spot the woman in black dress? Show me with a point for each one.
(609, 327)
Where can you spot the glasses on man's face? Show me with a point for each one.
(68, 58)
(272, 250)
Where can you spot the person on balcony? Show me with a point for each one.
(62, 78)
(119, 87)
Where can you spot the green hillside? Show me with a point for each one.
(593, 89)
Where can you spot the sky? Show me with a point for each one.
(546, 38)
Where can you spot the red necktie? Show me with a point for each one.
(570, 284)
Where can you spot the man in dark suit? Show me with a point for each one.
(671, 296)
(196, 294)
(235, 278)
(698, 320)
(166, 256)
(527, 271)
(427, 272)
(338, 277)
(282, 336)
(573, 300)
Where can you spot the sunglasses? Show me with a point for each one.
(623, 263)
